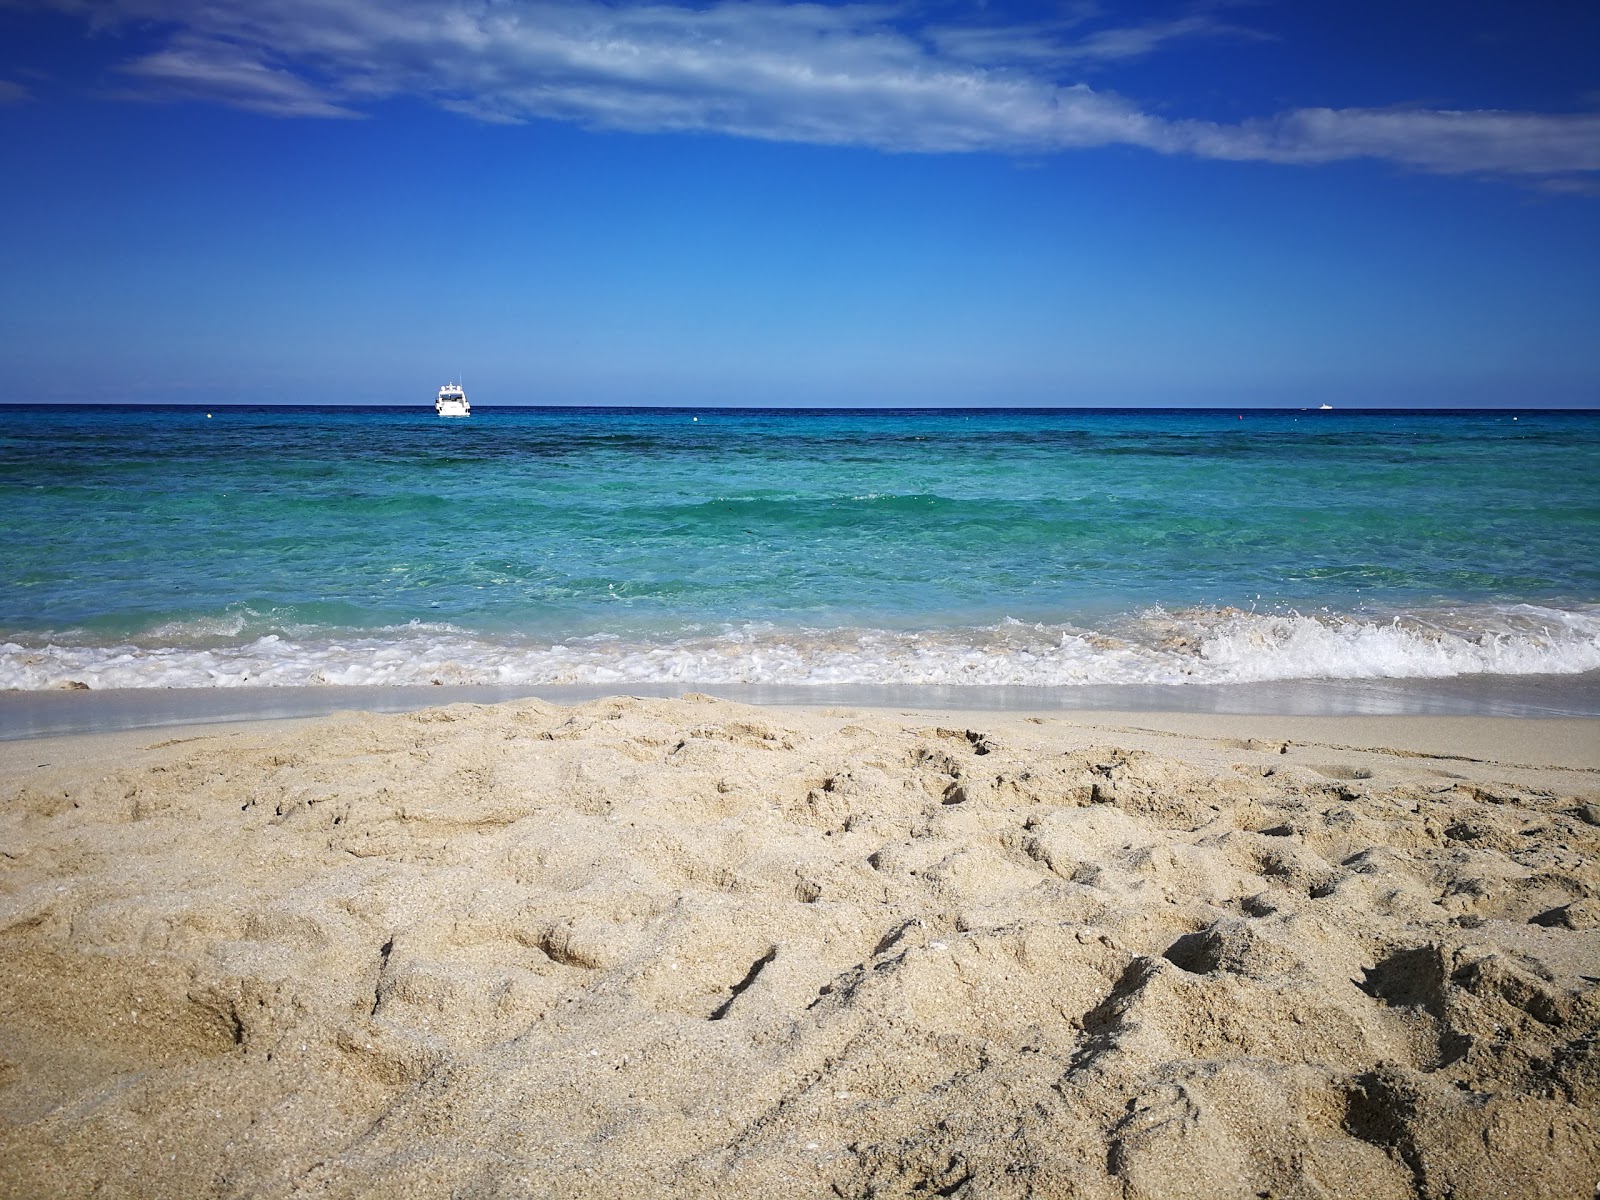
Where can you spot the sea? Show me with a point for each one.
(812, 550)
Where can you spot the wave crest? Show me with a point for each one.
(1154, 647)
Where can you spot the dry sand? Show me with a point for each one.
(687, 947)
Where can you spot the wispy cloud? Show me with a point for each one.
(1067, 42)
(854, 74)
(12, 92)
(202, 68)
(1485, 141)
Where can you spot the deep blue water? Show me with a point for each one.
(164, 546)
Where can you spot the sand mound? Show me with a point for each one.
(649, 947)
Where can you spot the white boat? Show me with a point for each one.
(1324, 408)
(452, 402)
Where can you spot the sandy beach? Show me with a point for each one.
(637, 947)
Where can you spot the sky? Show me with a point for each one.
(756, 203)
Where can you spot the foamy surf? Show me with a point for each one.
(1194, 646)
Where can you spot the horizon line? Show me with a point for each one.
(795, 408)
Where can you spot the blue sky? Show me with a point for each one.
(1231, 204)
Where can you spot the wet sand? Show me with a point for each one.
(26, 714)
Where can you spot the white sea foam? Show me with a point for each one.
(1155, 647)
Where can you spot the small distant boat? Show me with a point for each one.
(1324, 408)
(452, 401)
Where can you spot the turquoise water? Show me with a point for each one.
(163, 547)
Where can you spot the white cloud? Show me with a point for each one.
(202, 69)
(854, 74)
(1061, 43)
(1436, 140)
(12, 92)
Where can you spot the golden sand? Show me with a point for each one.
(687, 947)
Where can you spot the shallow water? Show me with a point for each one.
(162, 547)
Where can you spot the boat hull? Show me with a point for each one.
(452, 401)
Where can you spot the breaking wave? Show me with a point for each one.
(1221, 645)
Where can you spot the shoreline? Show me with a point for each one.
(1558, 744)
(32, 714)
